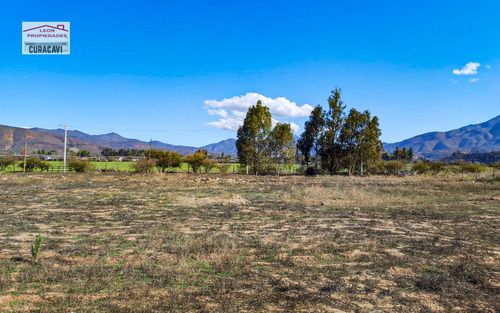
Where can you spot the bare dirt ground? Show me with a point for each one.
(234, 243)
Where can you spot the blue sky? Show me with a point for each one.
(148, 69)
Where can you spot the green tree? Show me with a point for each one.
(252, 142)
(405, 154)
(84, 153)
(360, 138)
(175, 159)
(308, 143)
(196, 160)
(410, 155)
(165, 159)
(282, 145)
(109, 152)
(331, 150)
(396, 152)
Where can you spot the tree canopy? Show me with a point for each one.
(252, 142)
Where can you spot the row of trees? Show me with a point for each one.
(122, 152)
(164, 160)
(336, 141)
(403, 154)
(331, 139)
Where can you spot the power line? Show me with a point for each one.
(141, 130)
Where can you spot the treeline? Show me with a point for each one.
(164, 161)
(332, 141)
(399, 154)
(123, 152)
(483, 158)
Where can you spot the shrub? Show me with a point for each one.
(390, 167)
(420, 167)
(36, 246)
(44, 166)
(34, 163)
(6, 162)
(209, 164)
(196, 160)
(80, 166)
(310, 171)
(224, 167)
(436, 167)
(145, 165)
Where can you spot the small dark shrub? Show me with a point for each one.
(310, 171)
(80, 166)
(145, 165)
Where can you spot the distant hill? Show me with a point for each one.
(12, 139)
(476, 138)
(484, 158)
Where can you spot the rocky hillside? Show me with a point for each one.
(483, 137)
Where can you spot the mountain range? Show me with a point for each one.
(12, 139)
(483, 137)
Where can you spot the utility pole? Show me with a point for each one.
(149, 150)
(65, 145)
(25, 151)
(397, 164)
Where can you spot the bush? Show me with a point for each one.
(36, 246)
(6, 162)
(44, 166)
(391, 166)
(80, 166)
(420, 167)
(34, 163)
(224, 167)
(145, 165)
(209, 164)
(310, 171)
(196, 160)
(436, 167)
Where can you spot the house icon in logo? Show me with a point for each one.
(58, 27)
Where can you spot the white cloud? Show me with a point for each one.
(295, 128)
(230, 123)
(488, 66)
(473, 80)
(469, 69)
(233, 110)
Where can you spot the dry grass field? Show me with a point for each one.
(233, 243)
